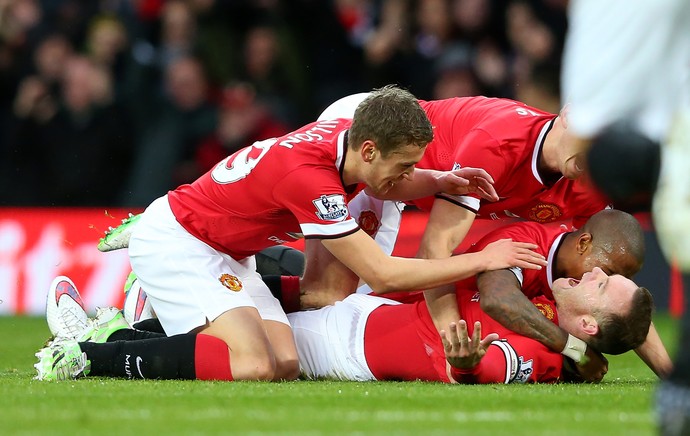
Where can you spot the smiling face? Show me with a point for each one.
(596, 292)
(383, 172)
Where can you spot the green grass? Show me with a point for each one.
(621, 405)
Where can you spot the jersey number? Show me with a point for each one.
(238, 166)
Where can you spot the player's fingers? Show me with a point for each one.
(487, 190)
(528, 245)
(445, 340)
(462, 334)
(470, 172)
(488, 340)
(477, 333)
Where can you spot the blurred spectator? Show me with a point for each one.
(271, 65)
(74, 151)
(183, 118)
(106, 45)
(455, 74)
(243, 120)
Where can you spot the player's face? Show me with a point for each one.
(386, 172)
(614, 261)
(596, 291)
(572, 153)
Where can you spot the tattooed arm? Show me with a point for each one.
(501, 298)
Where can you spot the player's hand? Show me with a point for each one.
(593, 367)
(461, 351)
(468, 181)
(505, 253)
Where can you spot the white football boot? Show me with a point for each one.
(65, 312)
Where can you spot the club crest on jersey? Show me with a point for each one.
(231, 282)
(544, 213)
(545, 310)
(456, 166)
(331, 207)
(369, 222)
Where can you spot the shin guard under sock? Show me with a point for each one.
(187, 356)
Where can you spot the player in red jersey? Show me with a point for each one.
(368, 331)
(192, 249)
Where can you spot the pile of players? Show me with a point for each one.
(537, 300)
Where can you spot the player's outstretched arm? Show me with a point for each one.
(385, 273)
(501, 298)
(447, 226)
(425, 183)
(654, 354)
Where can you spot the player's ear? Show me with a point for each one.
(368, 150)
(584, 242)
(589, 325)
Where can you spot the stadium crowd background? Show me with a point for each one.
(113, 102)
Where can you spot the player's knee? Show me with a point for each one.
(287, 368)
(259, 368)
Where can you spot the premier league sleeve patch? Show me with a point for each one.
(331, 207)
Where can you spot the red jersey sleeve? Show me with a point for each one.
(318, 201)
(515, 359)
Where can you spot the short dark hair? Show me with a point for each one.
(392, 118)
(621, 333)
(615, 228)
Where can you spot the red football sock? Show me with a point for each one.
(211, 358)
(289, 286)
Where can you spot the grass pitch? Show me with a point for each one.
(621, 405)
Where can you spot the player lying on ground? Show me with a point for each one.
(612, 240)
(193, 248)
(366, 337)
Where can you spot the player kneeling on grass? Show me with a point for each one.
(193, 249)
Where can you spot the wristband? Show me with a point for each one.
(574, 348)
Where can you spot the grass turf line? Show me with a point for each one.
(621, 405)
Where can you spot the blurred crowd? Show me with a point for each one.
(114, 102)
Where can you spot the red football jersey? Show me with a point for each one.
(271, 192)
(515, 359)
(504, 137)
(547, 237)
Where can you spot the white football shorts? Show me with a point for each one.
(330, 340)
(189, 282)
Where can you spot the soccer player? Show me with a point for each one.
(360, 337)
(192, 249)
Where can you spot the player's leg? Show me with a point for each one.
(192, 288)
